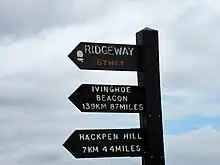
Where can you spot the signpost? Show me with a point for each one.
(109, 98)
(149, 78)
(105, 143)
(105, 56)
(144, 99)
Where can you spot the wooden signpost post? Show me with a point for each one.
(145, 99)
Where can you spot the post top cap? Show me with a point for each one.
(149, 29)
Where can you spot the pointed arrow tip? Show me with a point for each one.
(72, 57)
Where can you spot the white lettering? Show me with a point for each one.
(98, 50)
(141, 107)
(94, 106)
(90, 149)
(130, 50)
(138, 148)
(99, 136)
(132, 136)
(92, 49)
(114, 98)
(105, 149)
(122, 148)
(81, 136)
(84, 149)
(125, 107)
(112, 149)
(111, 89)
(87, 49)
(108, 50)
(125, 51)
(105, 50)
(118, 51)
(117, 148)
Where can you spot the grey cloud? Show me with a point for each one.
(30, 17)
(195, 62)
(190, 62)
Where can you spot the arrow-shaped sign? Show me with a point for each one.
(105, 143)
(105, 56)
(108, 98)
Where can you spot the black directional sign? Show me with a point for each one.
(108, 98)
(105, 143)
(105, 56)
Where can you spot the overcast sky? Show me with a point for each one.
(36, 76)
